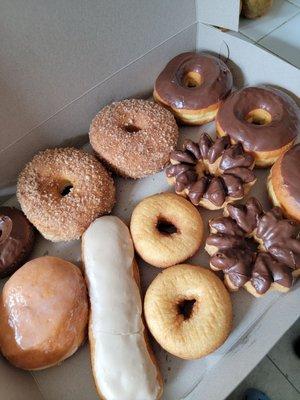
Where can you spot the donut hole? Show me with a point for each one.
(131, 128)
(166, 227)
(65, 188)
(259, 116)
(185, 308)
(192, 79)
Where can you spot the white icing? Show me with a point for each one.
(122, 366)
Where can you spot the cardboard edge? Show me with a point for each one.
(221, 13)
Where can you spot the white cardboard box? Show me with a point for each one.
(258, 324)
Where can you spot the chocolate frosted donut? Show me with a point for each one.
(265, 120)
(211, 174)
(134, 137)
(193, 85)
(255, 249)
(284, 183)
(16, 240)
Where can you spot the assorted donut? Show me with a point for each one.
(49, 306)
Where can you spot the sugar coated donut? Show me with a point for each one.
(265, 120)
(61, 191)
(43, 313)
(134, 137)
(16, 240)
(192, 86)
(211, 174)
(188, 311)
(255, 249)
(284, 183)
(166, 229)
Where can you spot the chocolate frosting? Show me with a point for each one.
(16, 240)
(235, 167)
(216, 81)
(283, 128)
(290, 171)
(273, 262)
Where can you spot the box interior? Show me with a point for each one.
(61, 108)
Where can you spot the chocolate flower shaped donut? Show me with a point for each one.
(211, 174)
(255, 249)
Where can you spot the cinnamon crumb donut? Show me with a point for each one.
(61, 191)
(166, 229)
(134, 137)
(188, 311)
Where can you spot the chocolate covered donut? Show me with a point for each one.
(265, 120)
(192, 86)
(284, 183)
(16, 240)
(211, 174)
(255, 249)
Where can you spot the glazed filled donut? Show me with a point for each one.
(166, 229)
(118, 340)
(16, 240)
(188, 311)
(43, 313)
(211, 174)
(255, 249)
(61, 191)
(134, 137)
(192, 86)
(284, 183)
(265, 120)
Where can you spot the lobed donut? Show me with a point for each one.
(265, 120)
(255, 249)
(166, 229)
(16, 240)
(61, 191)
(192, 86)
(188, 311)
(284, 183)
(43, 313)
(211, 174)
(134, 137)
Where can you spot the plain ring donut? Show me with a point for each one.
(134, 137)
(166, 229)
(188, 311)
(61, 191)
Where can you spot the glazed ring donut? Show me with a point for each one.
(134, 137)
(166, 229)
(211, 174)
(265, 120)
(283, 183)
(188, 311)
(61, 191)
(192, 86)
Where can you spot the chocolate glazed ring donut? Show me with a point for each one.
(265, 120)
(211, 174)
(255, 249)
(192, 86)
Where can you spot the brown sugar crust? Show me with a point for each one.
(61, 216)
(192, 86)
(134, 137)
(255, 249)
(211, 174)
(188, 311)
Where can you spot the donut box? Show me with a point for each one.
(258, 323)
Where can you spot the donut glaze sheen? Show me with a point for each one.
(265, 120)
(192, 85)
(284, 183)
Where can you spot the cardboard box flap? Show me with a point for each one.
(222, 13)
